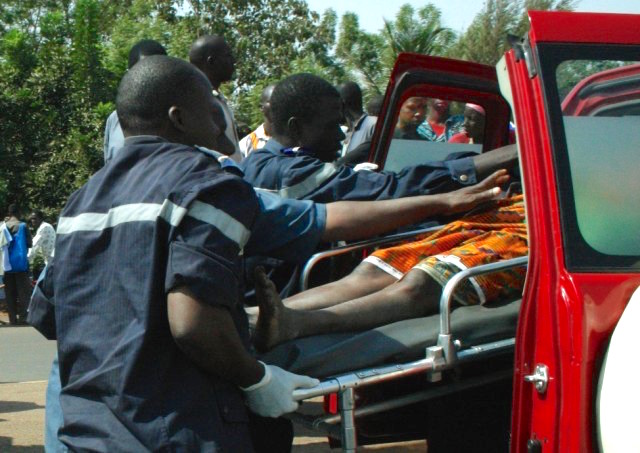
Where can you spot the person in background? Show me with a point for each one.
(412, 114)
(113, 137)
(473, 126)
(375, 105)
(16, 266)
(360, 125)
(297, 162)
(439, 125)
(258, 138)
(43, 241)
(213, 56)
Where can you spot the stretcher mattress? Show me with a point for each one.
(323, 356)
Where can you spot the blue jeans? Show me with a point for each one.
(53, 412)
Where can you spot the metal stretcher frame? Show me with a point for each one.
(443, 356)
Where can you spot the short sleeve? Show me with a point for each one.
(204, 255)
(285, 228)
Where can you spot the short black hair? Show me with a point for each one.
(375, 105)
(351, 95)
(13, 210)
(298, 95)
(205, 46)
(151, 87)
(38, 213)
(145, 48)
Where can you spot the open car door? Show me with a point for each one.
(422, 87)
(573, 83)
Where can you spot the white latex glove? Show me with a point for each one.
(273, 395)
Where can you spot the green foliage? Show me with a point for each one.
(61, 61)
(360, 53)
(485, 41)
(422, 34)
(269, 34)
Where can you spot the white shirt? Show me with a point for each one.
(255, 140)
(43, 243)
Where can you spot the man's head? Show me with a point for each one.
(412, 113)
(145, 48)
(375, 105)
(474, 120)
(213, 56)
(170, 98)
(36, 218)
(306, 111)
(438, 110)
(352, 98)
(13, 210)
(265, 106)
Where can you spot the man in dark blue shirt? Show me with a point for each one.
(152, 337)
(297, 162)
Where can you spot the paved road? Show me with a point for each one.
(25, 355)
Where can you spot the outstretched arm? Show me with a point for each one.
(349, 220)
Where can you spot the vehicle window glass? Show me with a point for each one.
(429, 129)
(600, 114)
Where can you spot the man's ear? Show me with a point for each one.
(176, 117)
(294, 128)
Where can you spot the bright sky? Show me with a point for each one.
(456, 14)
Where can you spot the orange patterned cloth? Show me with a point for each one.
(493, 235)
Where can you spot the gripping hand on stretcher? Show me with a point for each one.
(273, 395)
(486, 190)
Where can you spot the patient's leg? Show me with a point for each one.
(414, 296)
(365, 279)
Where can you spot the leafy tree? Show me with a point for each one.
(423, 34)
(486, 38)
(485, 41)
(265, 35)
(360, 52)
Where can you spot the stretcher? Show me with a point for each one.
(429, 346)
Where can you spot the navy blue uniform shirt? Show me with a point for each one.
(159, 216)
(308, 178)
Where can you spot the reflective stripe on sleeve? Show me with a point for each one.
(303, 188)
(229, 226)
(150, 212)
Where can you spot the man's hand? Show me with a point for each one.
(486, 190)
(273, 395)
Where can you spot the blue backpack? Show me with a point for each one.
(18, 250)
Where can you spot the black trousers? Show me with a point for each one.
(17, 289)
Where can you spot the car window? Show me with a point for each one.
(592, 105)
(602, 129)
(430, 129)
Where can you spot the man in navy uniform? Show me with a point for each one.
(152, 336)
(306, 112)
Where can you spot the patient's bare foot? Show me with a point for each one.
(274, 320)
